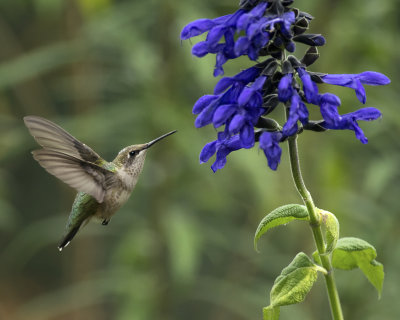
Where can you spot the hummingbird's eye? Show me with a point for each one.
(133, 153)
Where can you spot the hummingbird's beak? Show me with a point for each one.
(149, 144)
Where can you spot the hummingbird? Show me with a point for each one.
(103, 187)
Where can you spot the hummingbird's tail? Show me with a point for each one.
(68, 237)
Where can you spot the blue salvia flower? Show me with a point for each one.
(217, 28)
(356, 81)
(269, 143)
(297, 112)
(257, 27)
(241, 103)
(222, 146)
(329, 104)
(285, 88)
(236, 104)
(258, 30)
(310, 88)
(349, 121)
(246, 76)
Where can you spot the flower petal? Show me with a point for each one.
(196, 28)
(256, 13)
(203, 102)
(241, 45)
(223, 84)
(248, 75)
(252, 53)
(226, 146)
(222, 114)
(247, 136)
(359, 133)
(251, 95)
(205, 117)
(269, 143)
(329, 104)
(285, 89)
(236, 123)
(208, 151)
(287, 20)
(220, 60)
(215, 34)
(290, 127)
(373, 78)
(338, 79)
(200, 49)
(365, 114)
(309, 87)
(360, 91)
(244, 77)
(303, 113)
(220, 160)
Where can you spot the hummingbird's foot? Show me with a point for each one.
(105, 222)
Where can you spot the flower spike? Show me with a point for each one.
(240, 103)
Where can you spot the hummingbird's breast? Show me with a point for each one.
(116, 196)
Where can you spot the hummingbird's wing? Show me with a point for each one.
(69, 159)
(81, 175)
(51, 136)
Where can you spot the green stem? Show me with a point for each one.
(315, 223)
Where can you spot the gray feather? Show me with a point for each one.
(69, 159)
(83, 176)
(51, 136)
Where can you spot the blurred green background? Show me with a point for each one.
(114, 73)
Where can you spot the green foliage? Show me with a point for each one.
(271, 313)
(293, 284)
(331, 224)
(316, 257)
(351, 253)
(280, 216)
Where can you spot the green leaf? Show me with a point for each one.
(332, 229)
(279, 216)
(295, 281)
(316, 257)
(271, 313)
(351, 253)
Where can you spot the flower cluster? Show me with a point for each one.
(242, 103)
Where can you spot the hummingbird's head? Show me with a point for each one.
(132, 157)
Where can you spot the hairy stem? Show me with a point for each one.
(315, 223)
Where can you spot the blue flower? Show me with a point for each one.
(297, 112)
(246, 76)
(329, 104)
(356, 81)
(269, 143)
(217, 28)
(207, 105)
(309, 87)
(242, 114)
(242, 102)
(248, 111)
(223, 147)
(256, 35)
(349, 121)
(198, 27)
(258, 29)
(236, 104)
(285, 88)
